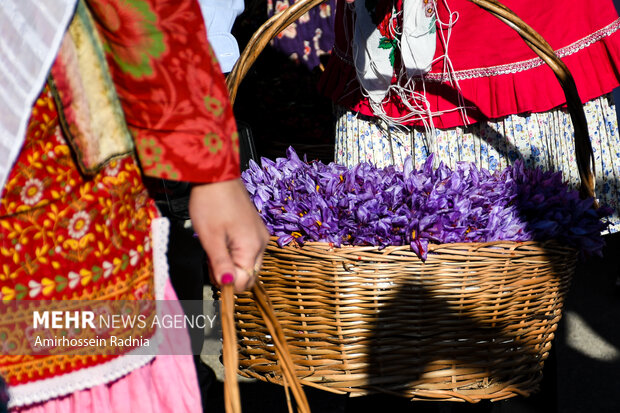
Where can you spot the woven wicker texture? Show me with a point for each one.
(473, 322)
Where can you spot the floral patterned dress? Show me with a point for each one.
(67, 236)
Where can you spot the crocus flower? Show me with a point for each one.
(364, 205)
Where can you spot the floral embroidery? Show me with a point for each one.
(32, 192)
(387, 21)
(48, 286)
(431, 11)
(79, 225)
(76, 221)
(53, 249)
(112, 168)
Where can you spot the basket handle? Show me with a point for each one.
(232, 400)
(583, 147)
(229, 348)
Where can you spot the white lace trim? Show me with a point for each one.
(160, 228)
(526, 64)
(46, 389)
(42, 390)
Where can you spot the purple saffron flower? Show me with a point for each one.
(365, 205)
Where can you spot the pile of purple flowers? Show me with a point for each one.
(365, 205)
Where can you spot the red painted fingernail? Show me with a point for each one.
(227, 278)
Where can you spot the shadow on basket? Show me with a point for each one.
(470, 324)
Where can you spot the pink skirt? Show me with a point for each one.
(167, 384)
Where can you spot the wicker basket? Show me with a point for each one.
(473, 322)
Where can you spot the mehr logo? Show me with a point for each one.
(72, 319)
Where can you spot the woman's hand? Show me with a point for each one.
(230, 231)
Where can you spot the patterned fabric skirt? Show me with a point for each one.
(539, 139)
(67, 237)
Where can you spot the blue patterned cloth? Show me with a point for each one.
(540, 139)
